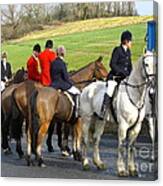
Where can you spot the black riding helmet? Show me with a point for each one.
(126, 35)
(49, 44)
(37, 48)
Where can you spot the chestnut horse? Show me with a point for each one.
(81, 78)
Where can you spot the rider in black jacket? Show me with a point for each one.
(121, 67)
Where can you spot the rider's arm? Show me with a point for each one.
(114, 63)
(9, 71)
(65, 73)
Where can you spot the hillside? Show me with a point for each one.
(84, 40)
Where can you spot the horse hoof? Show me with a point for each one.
(50, 149)
(65, 153)
(123, 173)
(7, 151)
(42, 165)
(102, 166)
(133, 173)
(79, 157)
(86, 167)
(21, 155)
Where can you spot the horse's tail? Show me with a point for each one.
(17, 118)
(15, 109)
(34, 119)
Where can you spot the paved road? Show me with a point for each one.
(63, 167)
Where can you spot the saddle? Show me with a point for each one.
(113, 111)
(72, 99)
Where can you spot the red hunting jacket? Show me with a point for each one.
(46, 57)
(32, 67)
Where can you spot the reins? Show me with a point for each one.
(84, 81)
(137, 86)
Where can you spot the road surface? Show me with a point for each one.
(65, 167)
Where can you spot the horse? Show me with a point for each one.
(129, 111)
(82, 77)
(6, 110)
(50, 105)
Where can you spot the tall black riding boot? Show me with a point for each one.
(106, 104)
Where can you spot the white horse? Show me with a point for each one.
(129, 106)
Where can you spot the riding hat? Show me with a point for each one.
(126, 35)
(37, 48)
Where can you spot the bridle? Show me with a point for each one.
(146, 83)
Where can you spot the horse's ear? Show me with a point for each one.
(99, 59)
(22, 68)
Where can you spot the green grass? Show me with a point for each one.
(82, 47)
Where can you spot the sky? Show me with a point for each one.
(144, 7)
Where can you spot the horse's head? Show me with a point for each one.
(149, 65)
(100, 72)
(20, 76)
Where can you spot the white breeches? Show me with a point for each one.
(74, 90)
(2, 85)
(110, 88)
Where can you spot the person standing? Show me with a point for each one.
(46, 57)
(6, 72)
(33, 64)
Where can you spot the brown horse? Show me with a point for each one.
(6, 110)
(82, 77)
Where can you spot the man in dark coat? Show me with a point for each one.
(120, 63)
(6, 72)
(60, 77)
(121, 67)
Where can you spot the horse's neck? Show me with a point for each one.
(85, 74)
(136, 78)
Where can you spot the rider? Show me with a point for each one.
(121, 67)
(60, 77)
(46, 57)
(33, 64)
(6, 72)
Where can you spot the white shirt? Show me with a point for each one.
(4, 63)
(125, 47)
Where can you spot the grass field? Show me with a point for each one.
(83, 45)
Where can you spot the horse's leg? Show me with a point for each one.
(151, 124)
(65, 148)
(59, 134)
(122, 133)
(77, 134)
(5, 133)
(50, 135)
(133, 134)
(17, 132)
(85, 134)
(29, 145)
(41, 135)
(98, 131)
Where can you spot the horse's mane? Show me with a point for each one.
(75, 72)
(89, 64)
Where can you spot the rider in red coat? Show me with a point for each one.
(33, 64)
(46, 57)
